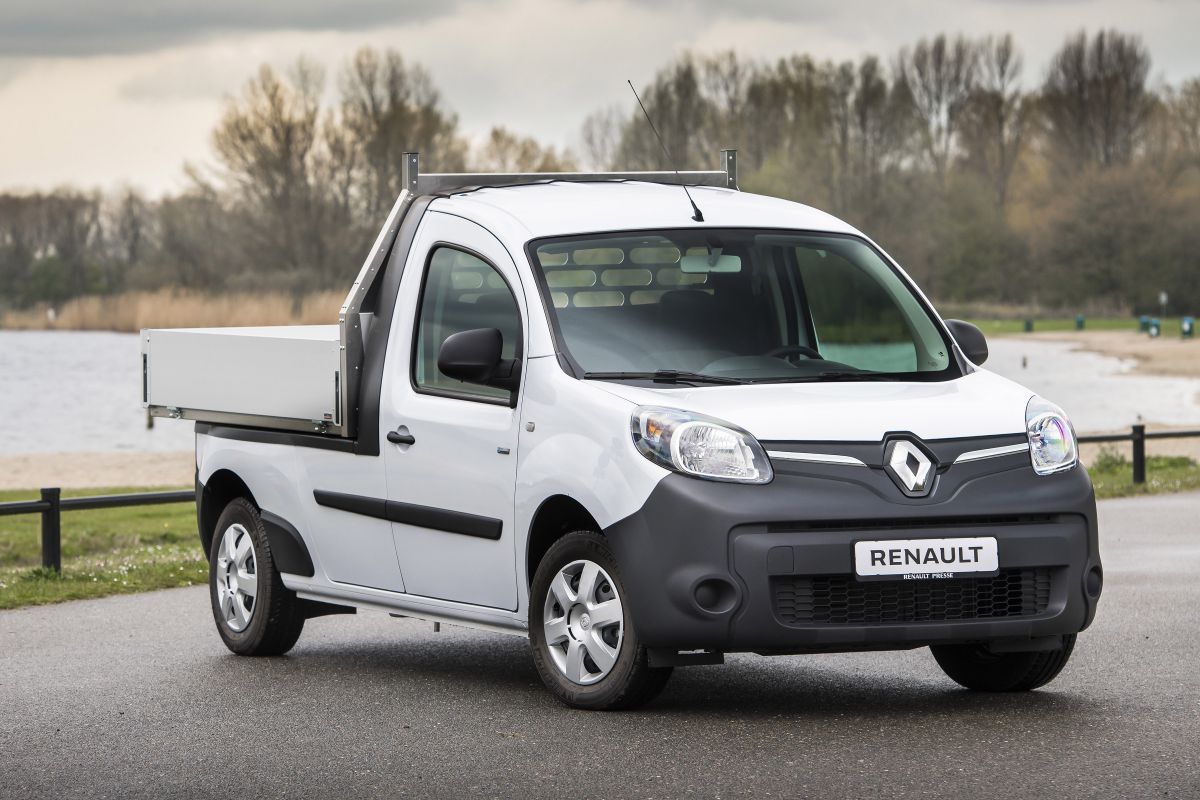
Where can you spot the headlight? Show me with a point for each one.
(1052, 446)
(698, 445)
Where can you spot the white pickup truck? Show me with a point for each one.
(574, 408)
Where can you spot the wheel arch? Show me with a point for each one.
(557, 516)
(222, 487)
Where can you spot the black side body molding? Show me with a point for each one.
(287, 547)
(438, 519)
(266, 436)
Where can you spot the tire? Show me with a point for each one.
(267, 622)
(565, 639)
(979, 669)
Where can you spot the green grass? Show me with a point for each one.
(1112, 475)
(1001, 327)
(139, 569)
(105, 551)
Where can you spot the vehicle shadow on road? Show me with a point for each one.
(779, 686)
(462, 662)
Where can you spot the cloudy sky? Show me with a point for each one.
(124, 91)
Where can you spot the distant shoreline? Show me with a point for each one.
(1164, 356)
(96, 470)
(129, 312)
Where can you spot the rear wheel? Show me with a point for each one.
(976, 667)
(255, 613)
(584, 644)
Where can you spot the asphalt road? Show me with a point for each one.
(136, 696)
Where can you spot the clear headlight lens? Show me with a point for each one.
(1052, 446)
(698, 445)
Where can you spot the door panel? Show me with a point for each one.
(450, 492)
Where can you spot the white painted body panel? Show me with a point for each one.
(979, 404)
(345, 548)
(454, 464)
(289, 372)
(580, 444)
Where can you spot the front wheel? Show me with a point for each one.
(255, 613)
(585, 648)
(976, 667)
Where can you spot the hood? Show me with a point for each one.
(979, 404)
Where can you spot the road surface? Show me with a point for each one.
(135, 696)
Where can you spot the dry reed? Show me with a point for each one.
(132, 311)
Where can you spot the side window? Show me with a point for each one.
(461, 292)
(856, 322)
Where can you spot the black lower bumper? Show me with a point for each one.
(730, 567)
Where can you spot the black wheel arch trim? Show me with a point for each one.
(287, 545)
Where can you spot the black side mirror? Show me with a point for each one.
(970, 339)
(474, 356)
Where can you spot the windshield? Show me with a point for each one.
(740, 305)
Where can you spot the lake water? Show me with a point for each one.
(81, 391)
(65, 391)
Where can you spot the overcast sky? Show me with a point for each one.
(124, 91)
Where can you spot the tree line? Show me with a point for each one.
(1076, 188)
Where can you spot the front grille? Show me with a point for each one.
(893, 524)
(842, 600)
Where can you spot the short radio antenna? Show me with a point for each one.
(698, 216)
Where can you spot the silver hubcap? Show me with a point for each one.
(584, 622)
(237, 577)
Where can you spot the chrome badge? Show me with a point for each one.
(909, 467)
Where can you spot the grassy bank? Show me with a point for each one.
(124, 550)
(1112, 475)
(132, 311)
(105, 551)
(1006, 327)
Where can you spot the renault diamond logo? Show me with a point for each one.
(910, 468)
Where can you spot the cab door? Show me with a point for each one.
(450, 447)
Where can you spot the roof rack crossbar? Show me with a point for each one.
(447, 182)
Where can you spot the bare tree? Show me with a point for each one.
(997, 116)
(389, 108)
(682, 115)
(1183, 108)
(505, 151)
(787, 115)
(870, 124)
(266, 141)
(600, 136)
(940, 76)
(1095, 102)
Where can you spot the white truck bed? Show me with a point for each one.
(279, 377)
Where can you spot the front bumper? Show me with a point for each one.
(730, 567)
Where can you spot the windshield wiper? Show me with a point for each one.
(661, 376)
(831, 377)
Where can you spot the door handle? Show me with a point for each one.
(395, 437)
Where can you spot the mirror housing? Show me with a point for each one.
(474, 356)
(970, 339)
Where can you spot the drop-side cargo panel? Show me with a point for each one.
(286, 377)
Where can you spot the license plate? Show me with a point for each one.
(925, 558)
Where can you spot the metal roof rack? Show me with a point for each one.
(449, 182)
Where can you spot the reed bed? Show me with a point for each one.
(132, 311)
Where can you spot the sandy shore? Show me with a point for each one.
(92, 470)
(1162, 356)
